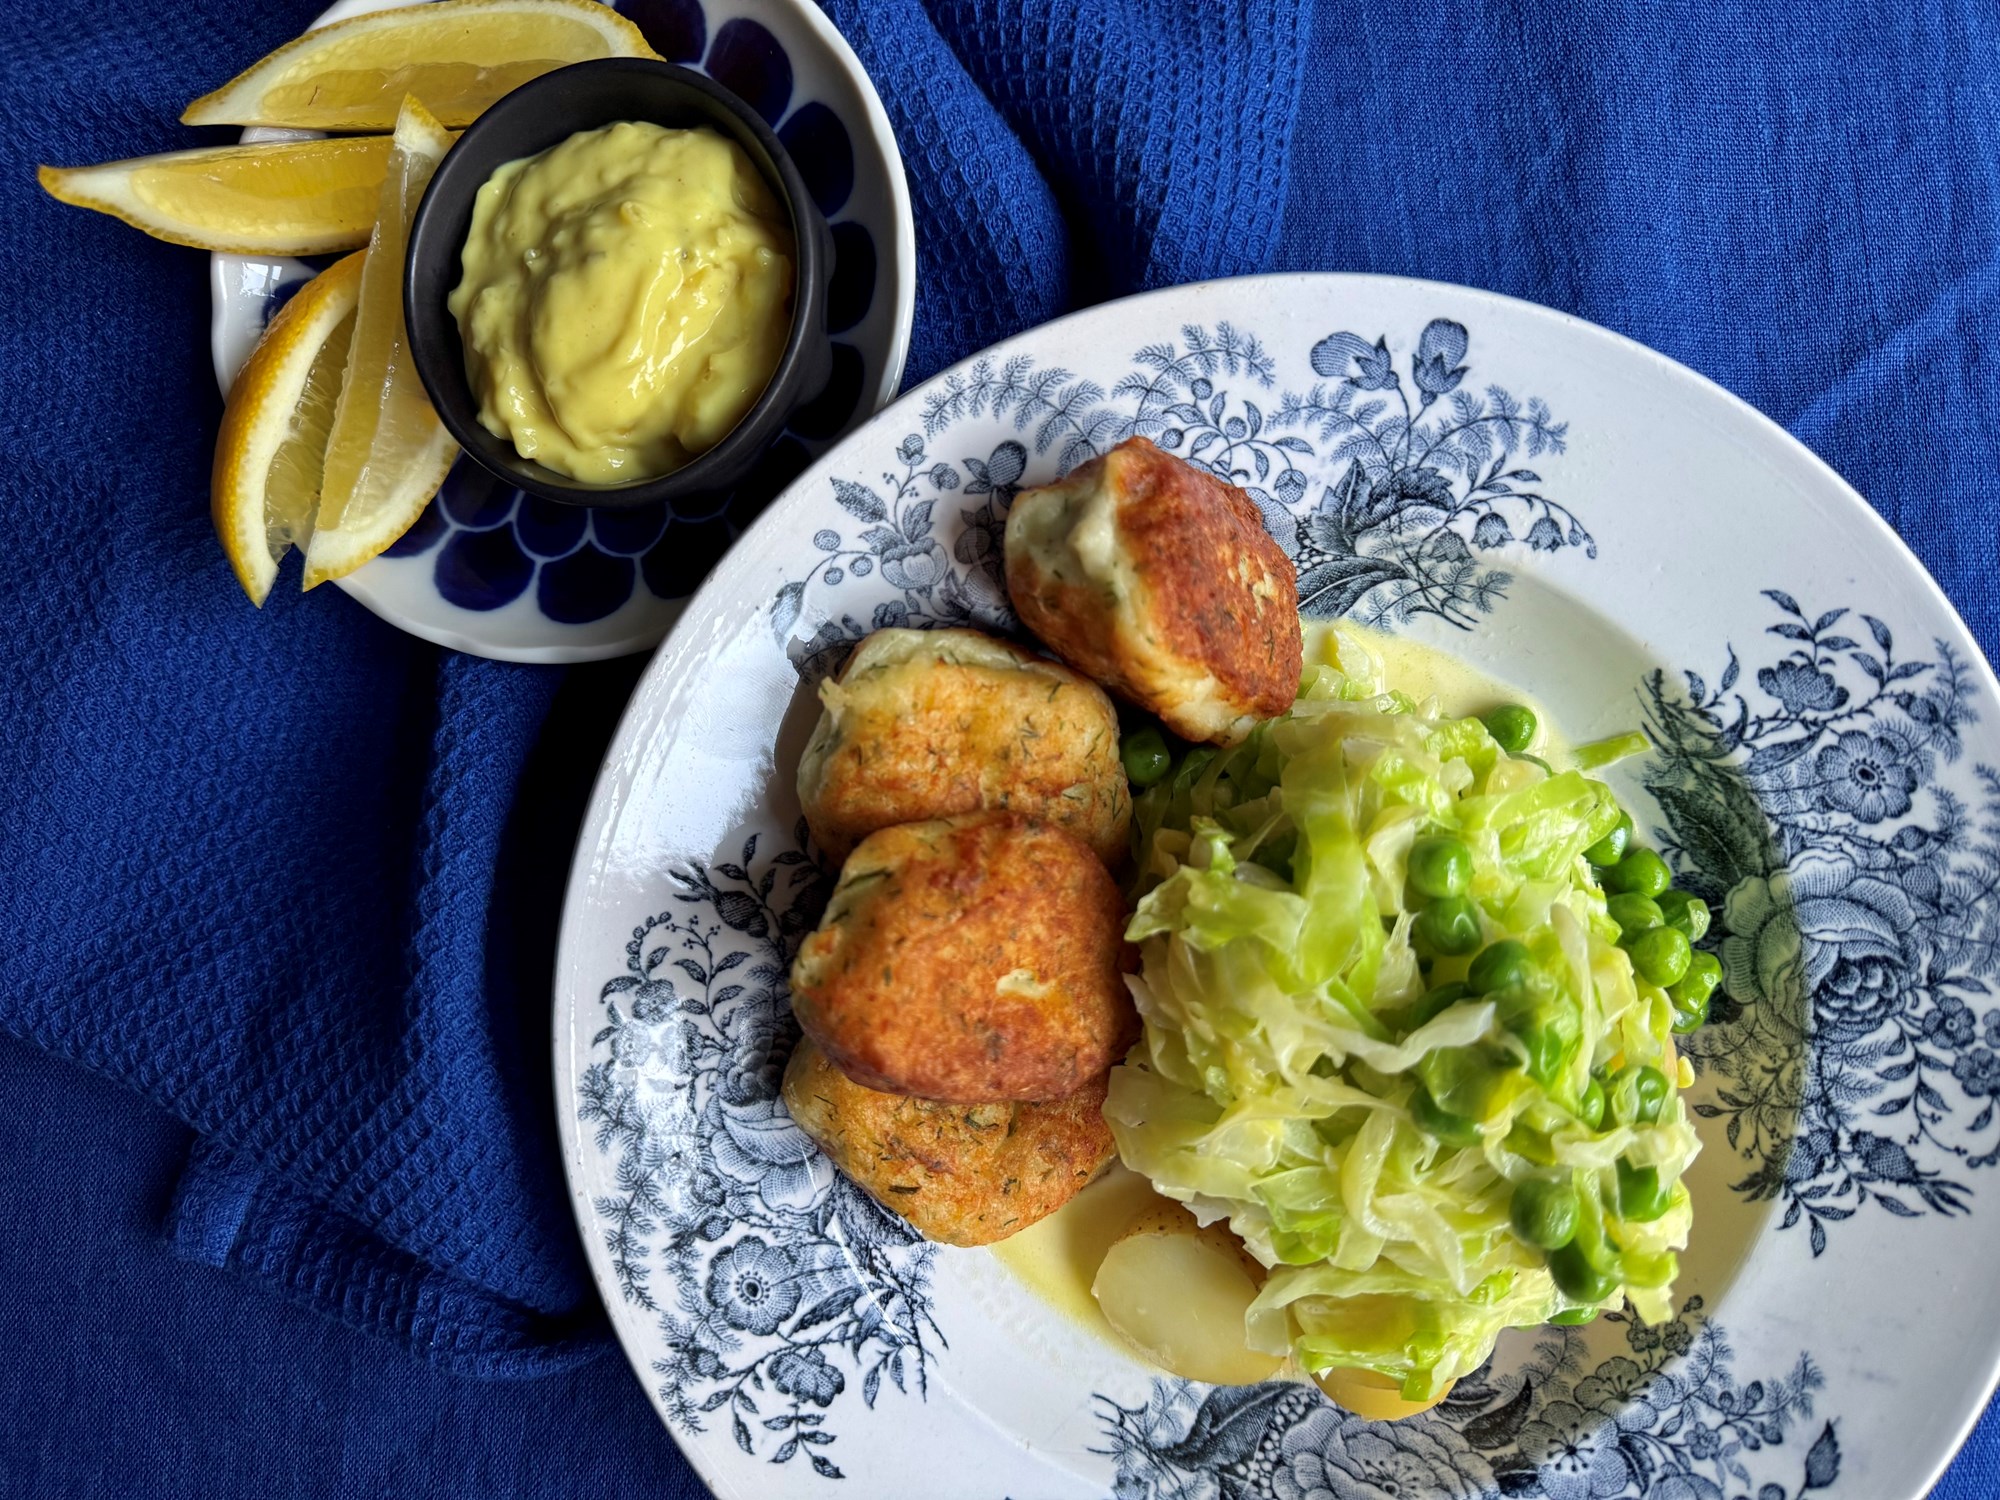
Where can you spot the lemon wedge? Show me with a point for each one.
(387, 453)
(271, 450)
(275, 198)
(458, 56)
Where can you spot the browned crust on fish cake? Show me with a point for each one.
(930, 738)
(1188, 534)
(969, 959)
(1208, 635)
(962, 1174)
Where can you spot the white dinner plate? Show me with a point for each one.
(1570, 513)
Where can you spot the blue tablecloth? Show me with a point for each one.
(292, 878)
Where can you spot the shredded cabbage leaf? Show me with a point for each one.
(1285, 1047)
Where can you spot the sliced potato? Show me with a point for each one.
(1177, 1293)
(1161, 1216)
(1373, 1397)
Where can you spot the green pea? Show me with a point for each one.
(1440, 866)
(1453, 1130)
(1692, 994)
(1500, 966)
(1689, 913)
(1146, 756)
(1436, 1002)
(1590, 1108)
(1512, 726)
(1638, 1094)
(1689, 1015)
(1476, 1082)
(1572, 1317)
(1661, 956)
(1544, 1212)
(1449, 925)
(1635, 913)
(1579, 1279)
(1641, 1197)
(1611, 848)
(1642, 871)
(1549, 1026)
(1703, 975)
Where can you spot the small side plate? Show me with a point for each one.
(497, 573)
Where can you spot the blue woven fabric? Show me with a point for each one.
(133, 1375)
(1064, 151)
(294, 877)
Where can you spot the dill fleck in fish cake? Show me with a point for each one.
(1158, 580)
(930, 723)
(962, 1174)
(969, 959)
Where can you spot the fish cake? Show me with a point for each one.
(929, 723)
(1158, 580)
(969, 959)
(962, 1174)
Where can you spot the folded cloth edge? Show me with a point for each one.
(230, 1213)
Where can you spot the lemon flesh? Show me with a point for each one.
(458, 56)
(270, 452)
(387, 453)
(292, 485)
(274, 198)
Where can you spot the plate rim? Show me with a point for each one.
(714, 590)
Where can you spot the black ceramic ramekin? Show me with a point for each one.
(536, 116)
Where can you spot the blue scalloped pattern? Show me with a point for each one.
(493, 544)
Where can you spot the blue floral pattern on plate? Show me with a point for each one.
(1429, 491)
(1666, 1421)
(1858, 895)
(786, 1281)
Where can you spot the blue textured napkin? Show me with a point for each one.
(294, 877)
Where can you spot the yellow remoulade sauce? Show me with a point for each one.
(625, 297)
